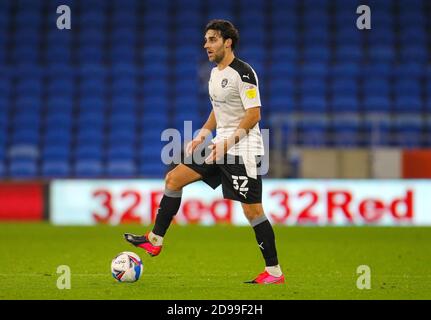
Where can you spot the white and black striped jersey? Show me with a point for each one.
(233, 90)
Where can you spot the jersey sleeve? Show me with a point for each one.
(249, 90)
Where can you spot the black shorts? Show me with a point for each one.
(232, 175)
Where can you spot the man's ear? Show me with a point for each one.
(228, 43)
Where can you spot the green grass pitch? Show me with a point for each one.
(212, 262)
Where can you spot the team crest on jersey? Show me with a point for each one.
(224, 82)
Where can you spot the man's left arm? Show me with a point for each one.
(250, 119)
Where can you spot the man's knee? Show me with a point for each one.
(171, 182)
(252, 211)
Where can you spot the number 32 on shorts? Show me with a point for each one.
(241, 188)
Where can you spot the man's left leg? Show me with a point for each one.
(266, 241)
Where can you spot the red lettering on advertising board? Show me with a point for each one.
(339, 200)
(371, 210)
(397, 205)
(106, 197)
(193, 210)
(284, 205)
(306, 215)
(221, 210)
(129, 216)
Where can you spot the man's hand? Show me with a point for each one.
(218, 151)
(191, 146)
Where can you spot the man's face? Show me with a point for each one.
(214, 45)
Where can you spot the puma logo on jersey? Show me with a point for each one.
(246, 76)
(244, 194)
(261, 245)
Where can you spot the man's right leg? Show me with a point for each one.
(175, 180)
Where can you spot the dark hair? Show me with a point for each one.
(226, 28)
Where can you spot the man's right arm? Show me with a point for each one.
(207, 128)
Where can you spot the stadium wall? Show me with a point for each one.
(23, 201)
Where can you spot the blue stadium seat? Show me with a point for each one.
(30, 86)
(92, 103)
(383, 36)
(349, 53)
(376, 86)
(92, 19)
(381, 53)
(315, 69)
(90, 168)
(408, 103)
(156, 70)
(123, 36)
(316, 36)
(90, 136)
(409, 69)
(346, 131)
(158, 37)
(408, 86)
(91, 69)
(124, 18)
(408, 131)
(122, 137)
(312, 85)
(346, 34)
(56, 152)
(121, 152)
(58, 120)
(91, 119)
(313, 131)
(156, 88)
(412, 36)
(55, 169)
(345, 102)
(378, 69)
(124, 84)
(23, 169)
(59, 135)
(152, 169)
(283, 53)
(282, 104)
(65, 86)
(344, 85)
(313, 103)
(91, 54)
(345, 69)
(314, 53)
(26, 136)
(123, 119)
(376, 103)
(60, 103)
(122, 53)
(377, 130)
(121, 168)
(415, 53)
(89, 151)
(123, 69)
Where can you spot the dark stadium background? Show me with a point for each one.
(92, 101)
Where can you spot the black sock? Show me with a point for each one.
(169, 206)
(266, 240)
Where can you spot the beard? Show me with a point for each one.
(219, 57)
